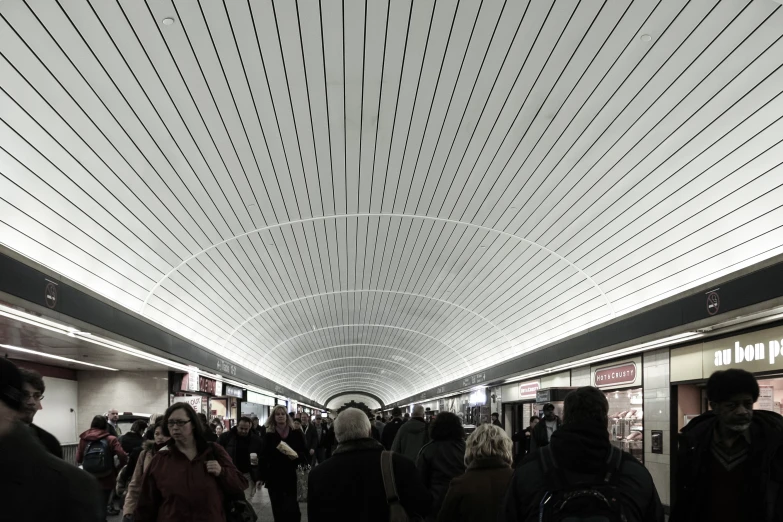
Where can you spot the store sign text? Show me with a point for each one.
(749, 353)
(621, 374)
(528, 389)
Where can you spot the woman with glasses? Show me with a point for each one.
(278, 464)
(189, 479)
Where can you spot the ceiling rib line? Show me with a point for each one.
(467, 365)
(252, 317)
(352, 357)
(369, 384)
(347, 373)
(370, 345)
(388, 215)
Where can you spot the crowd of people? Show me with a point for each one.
(178, 467)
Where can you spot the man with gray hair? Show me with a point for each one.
(412, 435)
(352, 480)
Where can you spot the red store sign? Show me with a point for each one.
(528, 389)
(616, 375)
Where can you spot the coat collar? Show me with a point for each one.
(358, 445)
(489, 463)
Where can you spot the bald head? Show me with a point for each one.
(418, 411)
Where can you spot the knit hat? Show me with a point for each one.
(10, 384)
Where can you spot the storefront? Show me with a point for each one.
(214, 399)
(258, 404)
(226, 405)
(518, 400)
(621, 381)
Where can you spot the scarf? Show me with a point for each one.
(284, 433)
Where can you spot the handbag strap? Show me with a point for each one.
(387, 470)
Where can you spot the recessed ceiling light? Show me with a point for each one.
(645, 37)
(168, 21)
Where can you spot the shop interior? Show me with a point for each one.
(626, 420)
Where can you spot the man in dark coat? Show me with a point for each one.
(241, 442)
(71, 495)
(311, 438)
(730, 460)
(578, 453)
(543, 431)
(352, 481)
(33, 389)
(391, 429)
(496, 421)
(523, 438)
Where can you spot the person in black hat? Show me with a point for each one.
(31, 474)
(543, 431)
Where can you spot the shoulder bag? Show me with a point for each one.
(397, 512)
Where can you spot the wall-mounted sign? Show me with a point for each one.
(528, 389)
(51, 295)
(194, 401)
(543, 396)
(656, 436)
(226, 367)
(618, 374)
(257, 398)
(232, 391)
(207, 385)
(713, 302)
(195, 382)
(758, 351)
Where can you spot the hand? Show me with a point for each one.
(312, 452)
(213, 468)
(259, 485)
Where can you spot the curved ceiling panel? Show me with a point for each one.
(385, 196)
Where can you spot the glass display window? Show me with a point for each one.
(626, 420)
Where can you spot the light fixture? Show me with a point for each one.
(50, 356)
(645, 38)
(168, 21)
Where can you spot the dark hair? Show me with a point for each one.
(198, 429)
(534, 418)
(549, 406)
(494, 414)
(99, 422)
(396, 412)
(447, 426)
(33, 378)
(379, 418)
(245, 419)
(202, 418)
(724, 384)
(586, 405)
(139, 426)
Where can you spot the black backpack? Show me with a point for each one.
(596, 500)
(98, 459)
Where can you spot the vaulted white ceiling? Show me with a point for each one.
(383, 197)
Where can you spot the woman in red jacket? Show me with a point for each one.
(189, 479)
(96, 453)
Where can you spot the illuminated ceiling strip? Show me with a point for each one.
(243, 323)
(389, 361)
(57, 357)
(388, 215)
(346, 385)
(338, 368)
(467, 365)
(340, 380)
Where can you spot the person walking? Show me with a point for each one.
(542, 432)
(730, 459)
(442, 459)
(329, 441)
(580, 463)
(149, 450)
(349, 487)
(189, 479)
(244, 447)
(278, 464)
(134, 438)
(113, 417)
(391, 429)
(33, 389)
(320, 428)
(496, 420)
(311, 438)
(412, 435)
(523, 438)
(477, 495)
(96, 452)
(209, 435)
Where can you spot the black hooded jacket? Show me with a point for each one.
(582, 452)
(762, 495)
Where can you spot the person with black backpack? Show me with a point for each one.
(580, 475)
(96, 452)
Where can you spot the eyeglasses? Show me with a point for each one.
(177, 423)
(36, 396)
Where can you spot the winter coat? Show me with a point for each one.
(130, 441)
(142, 466)
(761, 492)
(311, 440)
(522, 438)
(438, 462)
(176, 489)
(349, 486)
(39, 487)
(410, 437)
(581, 452)
(539, 439)
(115, 448)
(49, 441)
(229, 441)
(276, 469)
(390, 431)
(477, 495)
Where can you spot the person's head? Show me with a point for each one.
(447, 426)
(99, 423)
(317, 420)
(297, 424)
(114, 416)
(219, 429)
(203, 420)
(10, 394)
(181, 423)
(407, 416)
(279, 418)
(586, 405)
(534, 420)
(305, 418)
(494, 417)
(298, 416)
(488, 442)
(418, 411)
(379, 418)
(731, 394)
(351, 424)
(549, 412)
(159, 436)
(139, 427)
(396, 412)
(243, 426)
(32, 394)
(254, 420)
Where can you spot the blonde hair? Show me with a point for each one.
(270, 422)
(486, 442)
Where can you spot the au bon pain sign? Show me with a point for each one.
(759, 351)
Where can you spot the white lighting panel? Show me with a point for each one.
(386, 196)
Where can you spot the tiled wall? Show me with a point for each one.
(581, 376)
(656, 417)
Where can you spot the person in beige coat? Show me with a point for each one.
(134, 487)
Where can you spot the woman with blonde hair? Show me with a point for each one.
(477, 495)
(284, 450)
